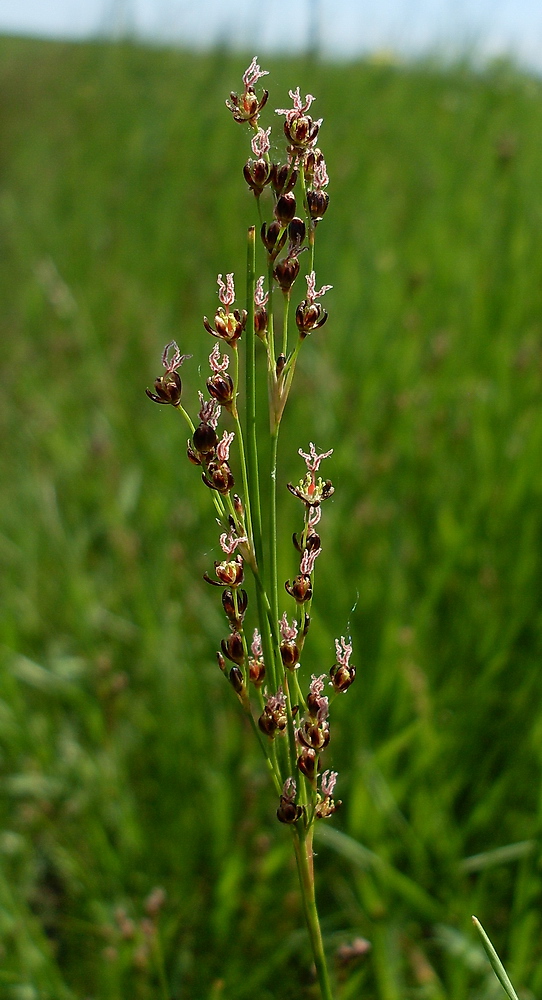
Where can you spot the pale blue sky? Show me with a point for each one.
(346, 27)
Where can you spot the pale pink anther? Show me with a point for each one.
(320, 178)
(226, 292)
(289, 789)
(260, 297)
(256, 645)
(312, 294)
(176, 360)
(229, 542)
(260, 143)
(343, 650)
(313, 460)
(218, 364)
(329, 780)
(287, 632)
(209, 412)
(253, 74)
(307, 562)
(223, 446)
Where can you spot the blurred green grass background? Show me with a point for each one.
(125, 764)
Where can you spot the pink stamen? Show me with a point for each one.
(317, 685)
(217, 364)
(226, 292)
(210, 411)
(176, 359)
(343, 650)
(253, 74)
(314, 516)
(289, 789)
(256, 647)
(329, 780)
(260, 297)
(287, 632)
(260, 143)
(223, 446)
(313, 460)
(230, 542)
(309, 558)
(321, 178)
(299, 108)
(312, 294)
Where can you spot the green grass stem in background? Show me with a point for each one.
(124, 766)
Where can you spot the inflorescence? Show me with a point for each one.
(264, 671)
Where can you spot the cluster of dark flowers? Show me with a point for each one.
(281, 710)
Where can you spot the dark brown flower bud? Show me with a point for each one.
(235, 617)
(281, 361)
(314, 734)
(236, 680)
(229, 325)
(289, 652)
(205, 439)
(257, 174)
(296, 232)
(342, 677)
(286, 271)
(220, 387)
(192, 456)
(260, 321)
(230, 572)
(285, 208)
(313, 542)
(308, 763)
(309, 316)
(221, 662)
(288, 812)
(232, 647)
(283, 178)
(301, 131)
(167, 389)
(246, 107)
(267, 722)
(256, 672)
(300, 589)
(219, 477)
(270, 238)
(317, 202)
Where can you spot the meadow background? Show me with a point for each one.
(124, 761)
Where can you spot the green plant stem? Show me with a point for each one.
(274, 595)
(253, 484)
(287, 297)
(303, 856)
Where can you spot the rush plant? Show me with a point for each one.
(261, 655)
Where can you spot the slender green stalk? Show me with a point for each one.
(303, 856)
(273, 526)
(253, 486)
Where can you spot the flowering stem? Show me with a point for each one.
(253, 486)
(303, 856)
(273, 525)
(287, 297)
